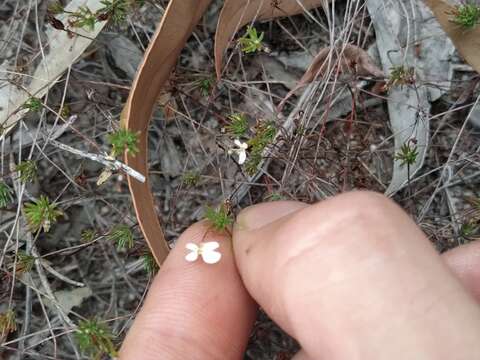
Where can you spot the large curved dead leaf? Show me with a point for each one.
(176, 26)
(348, 59)
(237, 13)
(467, 42)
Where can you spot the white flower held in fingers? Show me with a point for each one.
(240, 150)
(205, 250)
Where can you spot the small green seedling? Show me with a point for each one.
(115, 10)
(238, 125)
(466, 15)
(88, 235)
(41, 214)
(65, 111)
(33, 104)
(122, 235)
(149, 263)
(401, 76)
(8, 323)
(220, 218)
(205, 86)
(95, 339)
(407, 155)
(274, 197)
(83, 18)
(190, 178)
(469, 229)
(27, 171)
(25, 262)
(251, 42)
(123, 140)
(55, 8)
(5, 195)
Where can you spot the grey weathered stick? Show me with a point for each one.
(106, 160)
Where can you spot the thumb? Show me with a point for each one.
(353, 277)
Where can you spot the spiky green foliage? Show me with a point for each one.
(83, 18)
(41, 214)
(123, 140)
(5, 195)
(33, 104)
(466, 15)
(238, 125)
(8, 323)
(264, 135)
(122, 235)
(115, 10)
(88, 235)
(251, 42)
(407, 155)
(205, 86)
(27, 171)
(401, 75)
(95, 339)
(191, 178)
(25, 262)
(220, 218)
(149, 263)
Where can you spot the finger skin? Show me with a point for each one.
(193, 310)
(354, 278)
(464, 261)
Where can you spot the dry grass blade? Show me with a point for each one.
(177, 25)
(236, 13)
(352, 59)
(63, 50)
(466, 41)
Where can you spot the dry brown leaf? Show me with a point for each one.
(349, 59)
(467, 42)
(168, 104)
(176, 26)
(237, 13)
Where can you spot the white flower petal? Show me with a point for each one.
(244, 146)
(192, 246)
(209, 246)
(242, 157)
(211, 257)
(192, 256)
(238, 143)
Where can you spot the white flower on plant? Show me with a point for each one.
(206, 250)
(240, 150)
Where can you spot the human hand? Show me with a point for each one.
(350, 278)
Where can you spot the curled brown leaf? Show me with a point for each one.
(347, 59)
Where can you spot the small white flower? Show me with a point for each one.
(205, 250)
(240, 150)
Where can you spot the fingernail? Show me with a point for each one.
(257, 216)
